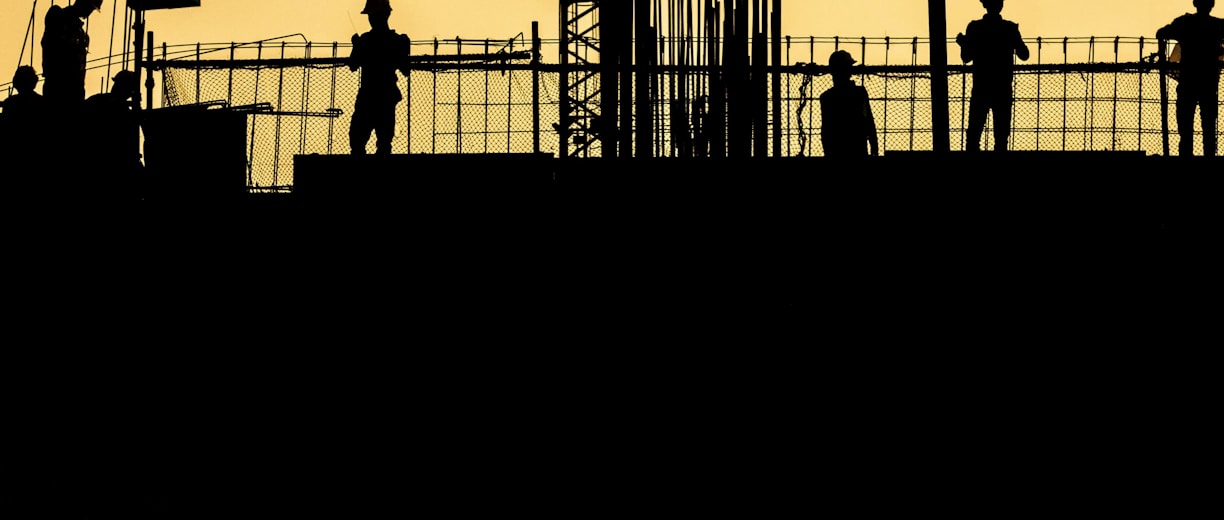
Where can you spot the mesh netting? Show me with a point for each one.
(490, 108)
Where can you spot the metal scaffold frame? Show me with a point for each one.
(580, 88)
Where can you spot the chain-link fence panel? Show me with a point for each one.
(499, 101)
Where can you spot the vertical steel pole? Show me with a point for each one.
(535, 87)
(776, 31)
(939, 75)
(643, 41)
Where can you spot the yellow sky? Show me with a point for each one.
(217, 21)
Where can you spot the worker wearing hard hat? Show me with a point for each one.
(378, 54)
(65, 44)
(847, 124)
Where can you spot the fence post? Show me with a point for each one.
(408, 103)
(1164, 98)
(535, 88)
(939, 75)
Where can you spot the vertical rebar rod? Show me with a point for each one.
(535, 87)
(459, 98)
(775, 26)
(643, 40)
(280, 101)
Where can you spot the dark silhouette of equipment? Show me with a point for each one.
(195, 153)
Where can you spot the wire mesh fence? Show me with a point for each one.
(490, 96)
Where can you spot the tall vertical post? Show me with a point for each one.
(937, 19)
(149, 83)
(139, 34)
(740, 103)
(535, 91)
(775, 28)
(563, 80)
(138, 41)
(408, 100)
(759, 88)
(644, 42)
(1162, 52)
(614, 125)
(609, 61)
(625, 54)
(716, 128)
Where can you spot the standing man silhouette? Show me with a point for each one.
(847, 125)
(1198, 81)
(65, 45)
(990, 43)
(378, 53)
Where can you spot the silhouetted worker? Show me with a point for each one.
(990, 43)
(1198, 81)
(65, 45)
(23, 119)
(847, 125)
(113, 130)
(26, 103)
(379, 53)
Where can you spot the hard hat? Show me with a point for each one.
(25, 78)
(126, 76)
(25, 72)
(377, 6)
(841, 59)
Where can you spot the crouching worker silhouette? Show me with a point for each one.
(847, 125)
(113, 123)
(378, 53)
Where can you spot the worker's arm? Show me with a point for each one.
(1022, 50)
(354, 60)
(872, 139)
(966, 44)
